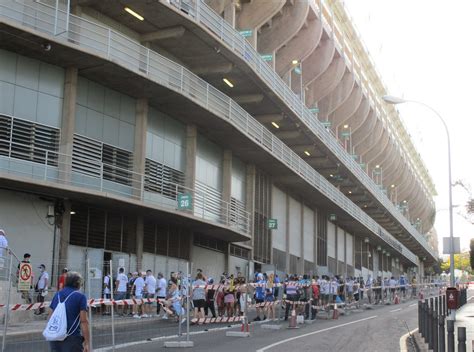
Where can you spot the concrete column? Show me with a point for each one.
(315, 241)
(191, 151)
(139, 243)
(287, 246)
(301, 268)
(64, 236)
(139, 152)
(229, 13)
(345, 253)
(226, 195)
(68, 121)
(336, 256)
(250, 201)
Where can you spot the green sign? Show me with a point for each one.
(345, 134)
(272, 224)
(185, 201)
(326, 123)
(268, 57)
(363, 165)
(332, 217)
(314, 110)
(246, 33)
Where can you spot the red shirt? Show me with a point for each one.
(62, 281)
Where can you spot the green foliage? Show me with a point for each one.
(462, 261)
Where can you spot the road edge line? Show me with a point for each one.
(403, 340)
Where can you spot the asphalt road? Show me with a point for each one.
(377, 329)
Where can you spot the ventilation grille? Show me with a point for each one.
(118, 164)
(163, 179)
(86, 156)
(26, 140)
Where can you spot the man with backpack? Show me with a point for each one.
(68, 327)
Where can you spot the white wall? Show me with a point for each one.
(237, 262)
(308, 230)
(23, 217)
(340, 244)
(211, 262)
(331, 240)
(295, 227)
(279, 213)
(350, 249)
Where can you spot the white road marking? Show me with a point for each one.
(395, 310)
(313, 333)
(412, 305)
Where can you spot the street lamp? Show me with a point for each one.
(396, 100)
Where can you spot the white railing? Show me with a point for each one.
(222, 29)
(126, 52)
(46, 165)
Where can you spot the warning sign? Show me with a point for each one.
(24, 277)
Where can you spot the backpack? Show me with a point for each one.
(56, 328)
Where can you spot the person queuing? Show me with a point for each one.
(270, 297)
(199, 296)
(161, 291)
(259, 296)
(41, 287)
(149, 293)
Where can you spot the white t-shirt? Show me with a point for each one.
(106, 285)
(162, 287)
(150, 282)
(122, 282)
(139, 285)
(42, 280)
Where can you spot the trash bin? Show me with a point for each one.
(452, 298)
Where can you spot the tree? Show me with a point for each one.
(461, 261)
(471, 245)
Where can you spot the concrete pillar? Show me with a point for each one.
(68, 122)
(226, 195)
(64, 236)
(287, 244)
(315, 241)
(301, 268)
(191, 151)
(139, 242)
(250, 201)
(345, 253)
(229, 13)
(139, 152)
(336, 256)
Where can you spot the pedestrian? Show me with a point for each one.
(403, 284)
(210, 298)
(229, 296)
(270, 297)
(41, 288)
(139, 285)
(199, 296)
(220, 297)
(315, 293)
(413, 286)
(150, 291)
(107, 284)
(25, 294)
(76, 310)
(368, 286)
(3, 246)
(259, 296)
(62, 279)
(120, 291)
(393, 287)
(161, 292)
(292, 295)
(350, 289)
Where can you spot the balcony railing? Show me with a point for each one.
(113, 46)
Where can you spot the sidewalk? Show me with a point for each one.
(465, 317)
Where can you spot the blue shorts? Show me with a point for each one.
(119, 296)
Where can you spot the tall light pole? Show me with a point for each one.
(394, 101)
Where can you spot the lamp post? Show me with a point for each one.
(394, 101)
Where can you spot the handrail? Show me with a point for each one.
(249, 54)
(139, 59)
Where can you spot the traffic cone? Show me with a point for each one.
(292, 319)
(396, 300)
(335, 313)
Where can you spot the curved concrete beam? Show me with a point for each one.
(283, 27)
(371, 138)
(373, 150)
(359, 117)
(338, 96)
(318, 61)
(300, 47)
(364, 130)
(392, 168)
(382, 158)
(346, 109)
(218, 5)
(327, 81)
(255, 14)
(377, 153)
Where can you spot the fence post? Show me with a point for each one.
(450, 326)
(441, 334)
(7, 308)
(461, 339)
(89, 310)
(435, 329)
(430, 324)
(112, 308)
(420, 317)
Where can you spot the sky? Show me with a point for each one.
(424, 51)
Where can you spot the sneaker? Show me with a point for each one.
(264, 317)
(144, 315)
(183, 321)
(257, 319)
(165, 317)
(136, 316)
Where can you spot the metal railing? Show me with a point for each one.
(103, 177)
(204, 15)
(110, 45)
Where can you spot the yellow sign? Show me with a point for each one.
(24, 277)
